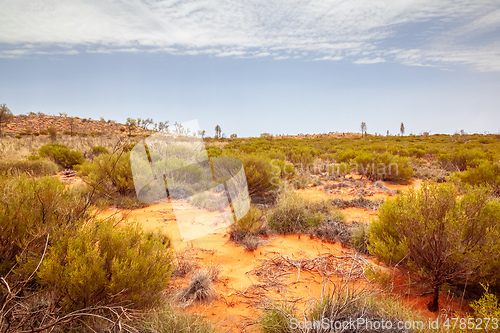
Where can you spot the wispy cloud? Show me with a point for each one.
(444, 33)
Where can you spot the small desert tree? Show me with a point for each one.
(217, 132)
(131, 124)
(402, 129)
(440, 236)
(5, 116)
(52, 133)
(363, 129)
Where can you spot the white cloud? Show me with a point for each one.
(414, 32)
(369, 61)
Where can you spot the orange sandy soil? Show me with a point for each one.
(237, 308)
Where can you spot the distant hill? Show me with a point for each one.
(28, 124)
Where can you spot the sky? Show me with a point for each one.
(258, 66)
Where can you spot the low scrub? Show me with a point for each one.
(384, 166)
(294, 213)
(61, 155)
(360, 202)
(261, 176)
(107, 264)
(110, 179)
(247, 230)
(365, 312)
(29, 211)
(35, 168)
(169, 319)
(486, 174)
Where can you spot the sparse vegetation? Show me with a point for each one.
(36, 167)
(61, 155)
(56, 259)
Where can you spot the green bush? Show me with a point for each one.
(462, 158)
(98, 150)
(61, 155)
(487, 174)
(29, 211)
(110, 175)
(246, 231)
(105, 264)
(441, 236)
(384, 166)
(261, 177)
(294, 213)
(36, 168)
(487, 306)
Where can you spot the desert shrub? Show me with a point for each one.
(98, 150)
(277, 318)
(294, 213)
(105, 264)
(246, 231)
(302, 155)
(346, 155)
(339, 170)
(29, 211)
(487, 306)
(260, 175)
(340, 307)
(283, 169)
(169, 319)
(384, 167)
(360, 202)
(334, 230)
(487, 174)
(110, 179)
(251, 222)
(361, 307)
(213, 151)
(18, 136)
(200, 288)
(36, 168)
(441, 236)
(44, 132)
(52, 131)
(360, 238)
(461, 158)
(301, 181)
(61, 155)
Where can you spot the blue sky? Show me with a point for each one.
(283, 67)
